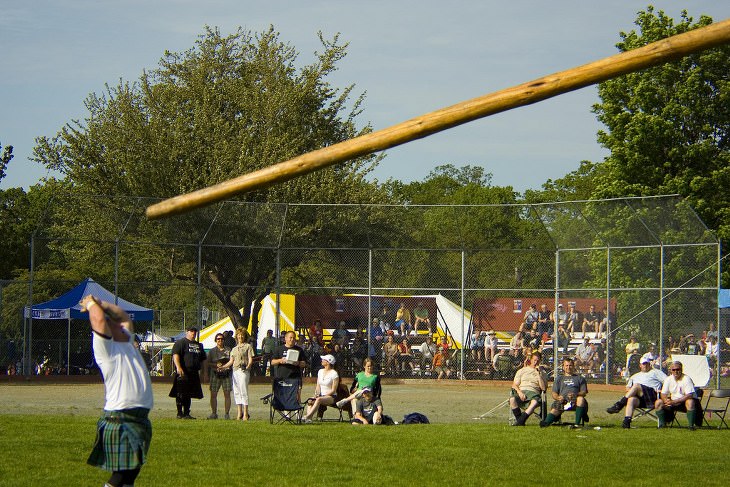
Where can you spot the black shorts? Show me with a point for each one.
(648, 397)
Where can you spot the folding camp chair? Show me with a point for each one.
(342, 391)
(718, 408)
(673, 421)
(284, 405)
(649, 412)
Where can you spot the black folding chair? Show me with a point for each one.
(284, 405)
(719, 406)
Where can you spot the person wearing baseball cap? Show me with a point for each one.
(369, 409)
(188, 357)
(325, 393)
(641, 391)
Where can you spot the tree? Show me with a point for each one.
(5, 157)
(230, 105)
(668, 127)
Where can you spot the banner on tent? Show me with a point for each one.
(48, 314)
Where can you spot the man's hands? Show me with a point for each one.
(87, 302)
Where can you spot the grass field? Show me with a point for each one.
(46, 432)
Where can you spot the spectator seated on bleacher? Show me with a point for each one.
(572, 319)
(477, 345)
(516, 344)
(403, 323)
(544, 320)
(420, 315)
(440, 363)
(340, 335)
(390, 349)
(502, 364)
(564, 339)
(592, 321)
(405, 356)
(316, 333)
(428, 349)
(359, 350)
(531, 316)
(585, 356)
(491, 344)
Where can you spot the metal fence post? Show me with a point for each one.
(660, 346)
(463, 313)
(555, 315)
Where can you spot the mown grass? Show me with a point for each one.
(52, 450)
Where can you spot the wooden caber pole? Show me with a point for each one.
(525, 94)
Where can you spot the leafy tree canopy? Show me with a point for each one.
(668, 127)
(230, 105)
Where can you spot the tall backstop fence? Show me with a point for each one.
(602, 275)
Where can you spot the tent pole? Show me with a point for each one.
(68, 345)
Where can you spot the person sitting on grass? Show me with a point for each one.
(641, 391)
(528, 384)
(569, 393)
(369, 409)
(677, 394)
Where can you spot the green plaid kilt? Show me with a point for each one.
(217, 382)
(122, 440)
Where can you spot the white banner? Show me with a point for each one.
(48, 314)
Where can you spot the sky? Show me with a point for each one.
(409, 57)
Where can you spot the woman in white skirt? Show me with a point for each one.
(241, 362)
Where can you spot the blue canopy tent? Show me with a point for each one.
(723, 298)
(66, 307)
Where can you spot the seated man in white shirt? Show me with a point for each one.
(641, 391)
(585, 356)
(677, 394)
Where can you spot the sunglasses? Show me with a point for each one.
(676, 370)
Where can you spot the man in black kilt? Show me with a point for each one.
(188, 357)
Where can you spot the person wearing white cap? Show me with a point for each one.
(325, 393)
(369, 409)
(641, 391)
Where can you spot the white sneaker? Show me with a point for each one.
(307, 421)
(341, 403)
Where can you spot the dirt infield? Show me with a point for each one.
(442, 402)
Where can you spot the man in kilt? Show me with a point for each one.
(124, 430)
(641, 391)
(188, 357)
(569, 394)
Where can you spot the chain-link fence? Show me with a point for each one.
(598, 273)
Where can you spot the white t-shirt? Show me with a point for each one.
(653, 379)
(326, 381)
(127, 381)
(678, 388)
(427, 350)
